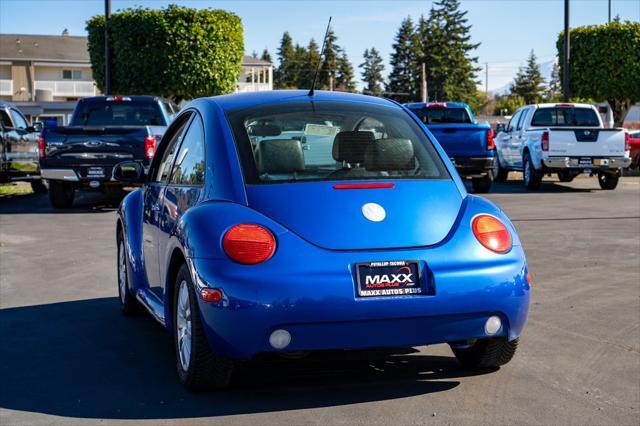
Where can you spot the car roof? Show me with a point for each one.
(573, 104)
(246, 100)
(133, 98)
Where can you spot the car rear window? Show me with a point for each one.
(118, 113)
(319, 141)
(565, 116)
(442, 115)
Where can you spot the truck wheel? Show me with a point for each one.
(128, 302)
(61, 194)
(38, 186)
(199, 368)
(499, 174)
(565, 176)
(531, 177)
(486, 353)
(608, 181)
(482, 184)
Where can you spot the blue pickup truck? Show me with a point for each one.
(469, 145)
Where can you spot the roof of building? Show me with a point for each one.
(65, 48)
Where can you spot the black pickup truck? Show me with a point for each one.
(103, 132)
(19, 148)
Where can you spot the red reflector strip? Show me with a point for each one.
(363, 185)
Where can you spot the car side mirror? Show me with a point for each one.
(500, 128)
(36, 127)
(129, 172)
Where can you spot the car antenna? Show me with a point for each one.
(315, 77)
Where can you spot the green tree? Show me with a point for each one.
(308, 65)
(284, 75)
(529, 83)
(176, 52)
(266, 56)
(345, 75)
(372, 69)
(445, 47)
(329, 68)
(507, 105)
(401, 84)
(605, 64)
(554, 90)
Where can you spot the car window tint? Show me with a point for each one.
(164, 168)
(523, 114)
(6, 121)
(189, 165)
(512, 122)
(18, 119)
(435, 115)
(564, 116)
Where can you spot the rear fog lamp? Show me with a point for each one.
(280, 339)
(493, 325)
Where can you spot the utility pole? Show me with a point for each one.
(609, 11)
(423, 86)
(107, 50)
(565, 59)
(486, 78)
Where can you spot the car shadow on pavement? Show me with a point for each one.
(516, 187)
(85, 202)
(83, 359)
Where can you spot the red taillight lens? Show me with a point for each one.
(42, 147)
(544, 141)
(627, 141)
(249, 244)
(491, 233)
(491, 143)
(149, 146)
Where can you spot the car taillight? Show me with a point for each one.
(627, 141)
(491, 233)
(249, 244)
(491, 143)
(42, 147)
(544, 141)
(149, 146)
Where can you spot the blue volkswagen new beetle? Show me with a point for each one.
(284, 222)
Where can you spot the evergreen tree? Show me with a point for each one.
(445, 45)
(266, 56)
(345, 74)
(308, 64)
(401, 84)
(284, 75)
(329, 69)
(372, 69)
(529, 83)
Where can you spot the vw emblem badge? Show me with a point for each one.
(374, 212)
(587, 133)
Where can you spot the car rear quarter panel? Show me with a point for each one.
(130, 221)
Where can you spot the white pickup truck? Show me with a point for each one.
(567, 139)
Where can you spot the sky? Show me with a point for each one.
(507, 29)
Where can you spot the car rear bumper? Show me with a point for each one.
(596, 163)
(473, 166)
(320, 309)
(68, 175)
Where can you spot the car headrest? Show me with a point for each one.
(279, 156)
(350, 146)
(265, 130)
(389, 155)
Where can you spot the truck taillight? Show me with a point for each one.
(149, 146)
(491, 143)
(627, 141)
(544, 141)
(42, 147)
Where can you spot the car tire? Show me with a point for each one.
(61, 194)
(38, 186)
(486, 353)
(531, 177)
(565, 176)
(499, 174)
(199, 368)
(481, 185)
(608, 181)
(128, 303)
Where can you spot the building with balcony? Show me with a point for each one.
(45, 75)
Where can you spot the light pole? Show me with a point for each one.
(565, 59)
(107, 51)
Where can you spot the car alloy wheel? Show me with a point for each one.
(183, 320)
(122, 272)
(527, 171)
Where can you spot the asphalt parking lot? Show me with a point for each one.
(67, 356)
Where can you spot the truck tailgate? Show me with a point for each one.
(461, 140)
(586, 142)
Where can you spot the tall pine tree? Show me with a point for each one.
(401, 84)
(554, 91)
(529, 83)
(345, 74)
(266, 56)
(284, 75)
(329, 69)
(372, 69)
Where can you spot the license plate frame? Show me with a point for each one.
(94, 172)
(389, 278)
